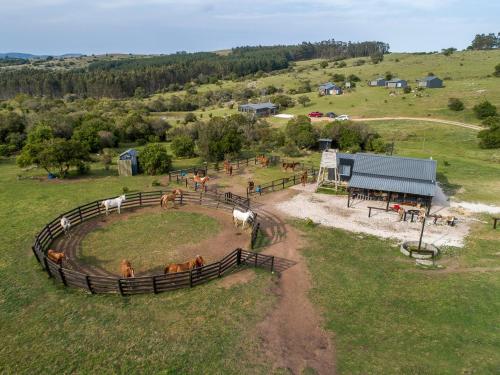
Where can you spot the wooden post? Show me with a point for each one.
(255, 265)
(369, 212)
(169, 177)
(283, 184)
(421, 234)
(238, 257)
(120, 287)
(34, 252)
(388, 200)
(429, 205)
(98, 207)
(348, 197)
(89, 287)
(140, 198)
(495, 219)
(272, 188)
(47, 266)
(191, 278)
(272, 264)
(201, 197)
(219, 270)
(155, 291)
(63, 278)
(80, 214)
(294, 179)
(50, 233)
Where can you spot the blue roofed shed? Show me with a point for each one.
(430, 82)
(127, 163)
(329, 88)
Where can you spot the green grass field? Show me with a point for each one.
(46, 328)
(391, 318)
(131, 239)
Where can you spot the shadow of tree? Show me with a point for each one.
(449, 188)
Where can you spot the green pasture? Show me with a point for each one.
(388, 317)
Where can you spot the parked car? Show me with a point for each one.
(330, 114)
(315, 114)
(342, 118)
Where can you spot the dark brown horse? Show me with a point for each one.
(186, 266)
(290, 165)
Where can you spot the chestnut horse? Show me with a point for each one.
(187, 266)
(126, 269)
(289, 165)
(56, 256)
(165, 198)
(303, 178)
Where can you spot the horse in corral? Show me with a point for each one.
(165, 198)
(264, 161)
(289, 165)
(227, 164)
(250, 185)
(65, 225)
(115, 202)
(201, 180)
(303, 178)
(126, 269)
(56, 256)
(186, 266)
(244, 217)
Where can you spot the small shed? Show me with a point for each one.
(329, 89)
(430, 82)
(259, 109)
(380, 82)
(396, 83)
(127, 163)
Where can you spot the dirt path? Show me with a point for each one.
(292, 334)
(427, 119)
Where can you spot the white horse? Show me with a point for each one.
(66, 225)
(244, 217)
(111, 203)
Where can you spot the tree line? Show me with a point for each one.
(126, 77)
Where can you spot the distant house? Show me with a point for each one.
(377, 82)
(127, 163)
(430, 82)
(324, 143)
(396, 83)
(259, 109)
(329, 89)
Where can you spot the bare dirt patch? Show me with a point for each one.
(237, 278)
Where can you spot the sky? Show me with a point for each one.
(165, 26)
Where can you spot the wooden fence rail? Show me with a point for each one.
(280, 184)
(152, 283)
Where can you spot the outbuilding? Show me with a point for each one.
(259, 109)
(329, 88)
(396, 83)
(430, 82)
(380, 82)
(127, 163)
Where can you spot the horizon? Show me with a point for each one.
(154, 27)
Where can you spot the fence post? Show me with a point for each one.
(255, 265)
(120, 287)
(294, 179)
(34, 252)
(98, 207)
(155, 291)
(50, 233)
(80, 214)
(140, 198)
(272, 264)
(283, 184)
(169, 177)
(219, 271)
(47, 266)
(63, 278)
(272, 185)
(238, 257)
(191, 278)
(201, 197)
(89, 287)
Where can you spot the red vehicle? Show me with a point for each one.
(315, 114)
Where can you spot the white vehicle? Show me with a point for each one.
(342, 118)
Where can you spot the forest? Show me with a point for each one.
(132, 76)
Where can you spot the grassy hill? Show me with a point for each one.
(467, 76)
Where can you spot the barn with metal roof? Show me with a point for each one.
(258, 109)
(388, 178)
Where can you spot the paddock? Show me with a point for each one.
(73, 274)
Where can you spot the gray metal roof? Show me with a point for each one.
(327, 86)
(342, 155)
(429, 78)
(130, 151)
(394, 173)
(394, 80)
(258, 106)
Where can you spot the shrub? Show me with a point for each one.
(125, 189)
(455, 104)
(490, 138)
(484, 110)
(155, 182)
(407, 89)
(341, 64)
(154, 159)
(496, 73)
(323, 64)
(190, 117)
(337, 77)
(290, 149)
(183, 146)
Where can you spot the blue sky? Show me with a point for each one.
(164, 26)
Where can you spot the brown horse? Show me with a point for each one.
(186, 266)
(126, 269)
(289, 165)
(303, 178)
(56, 256)
(201, 180)
(165, 198)
(263, 160)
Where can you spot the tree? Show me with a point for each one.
(323, 64)
(189, 117)
(55, 153)
(484, 109)
(388, 76)
(301, 132)
(283, 101)
(220, 137)
(490, 138)
(183, 146)
(377, 57)
(448, 51)
(303, 99)
(337, 77)
(485, 41)
(353, 78)
(154, 159)
(455, 104)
